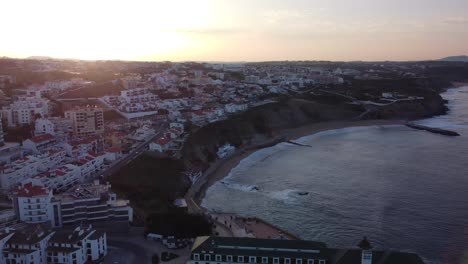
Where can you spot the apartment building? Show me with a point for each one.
(77, 246)
(40, 143)
(18, 170)
(24, 111)
(32, 202)
(86, 203)
(27, 246)
(39, 245)
(87, 121)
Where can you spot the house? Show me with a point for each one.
(113, 154)
(235, 107)
(226, 150)
(160, 145)
(39, 143)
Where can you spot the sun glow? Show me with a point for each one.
(103, 29)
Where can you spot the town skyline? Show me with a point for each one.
(234, 31)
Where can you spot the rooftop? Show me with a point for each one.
(42, 138)
(30, 190)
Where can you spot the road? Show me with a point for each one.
(134, 153)
(121, 252)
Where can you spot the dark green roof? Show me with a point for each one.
(294, 249)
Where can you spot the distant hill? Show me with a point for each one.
(456, 58)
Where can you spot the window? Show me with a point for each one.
(264, 260)
(207, 257)
(321, 261)
(218, 257)
(196, 256)
(287, 261)
(229, 258)
(275, 260)
(298, 261)
(252, 260)
(310, 261)
(240, 259)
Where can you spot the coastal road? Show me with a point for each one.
(129, 157)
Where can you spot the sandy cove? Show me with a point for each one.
(221, 168)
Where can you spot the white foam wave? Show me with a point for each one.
(307, 139)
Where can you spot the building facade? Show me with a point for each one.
(86, 121)
(86, 203)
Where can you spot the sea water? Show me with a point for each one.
(404, 189)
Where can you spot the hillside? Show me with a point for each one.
(461, 58)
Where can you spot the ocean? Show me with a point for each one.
(404, 189)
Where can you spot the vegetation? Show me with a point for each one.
(178, 224)
(97, 90)
(152, 184)
(18, 134)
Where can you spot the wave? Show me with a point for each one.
(307, 139)
(287, 196)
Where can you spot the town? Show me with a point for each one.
(68, 126)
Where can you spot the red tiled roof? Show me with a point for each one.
(42, 138)
(163, 141)
(113, 150)
(30, 190)
(59, 173)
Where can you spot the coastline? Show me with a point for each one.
(221, 168)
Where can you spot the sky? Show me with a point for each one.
(234, 30)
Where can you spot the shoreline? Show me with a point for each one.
(221, 168)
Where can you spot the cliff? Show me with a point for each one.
(264, 122)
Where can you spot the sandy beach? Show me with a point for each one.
(221, 168)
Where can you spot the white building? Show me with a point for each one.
(18, 170)
(3, 239)
(40, 143)
(28, 246)
(43, 126)
(62, 128)
(86, 121)
(90, 165)
(24, 110)
(34, 203)
(77, 246)
(235, 107)
(143, 133)
(37, 245)
(226, 151)
(61, 178)
(160, 145)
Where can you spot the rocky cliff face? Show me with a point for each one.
(432, 104)
(263, 122)
(260, 123)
